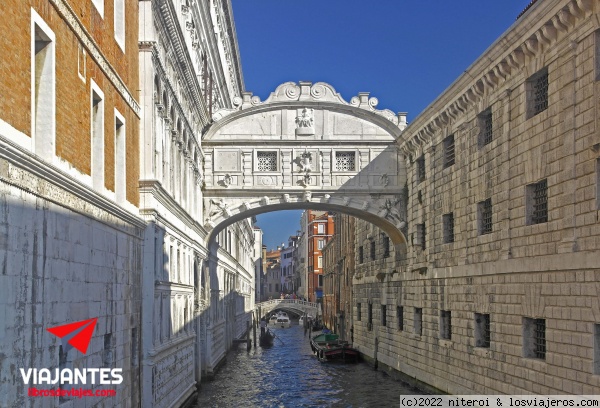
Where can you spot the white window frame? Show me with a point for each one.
(119, 19)
(120, 158)
(44, 145)
(321, 228)
(99, 4)
(97, 138)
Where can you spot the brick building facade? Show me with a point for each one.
(69, 136)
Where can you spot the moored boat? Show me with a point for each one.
(281, 319)
(266, 339)
(328, 347)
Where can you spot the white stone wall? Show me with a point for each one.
(67, 255)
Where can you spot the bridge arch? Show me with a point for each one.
(305, 147)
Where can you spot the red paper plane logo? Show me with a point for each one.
(76, 334)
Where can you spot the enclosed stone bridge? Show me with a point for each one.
(297, 306)
(305, 148)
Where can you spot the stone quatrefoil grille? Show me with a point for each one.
(344, 161)
(267, 161)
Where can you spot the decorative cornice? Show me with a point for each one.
(65, 10)
(308, 92)
(30, 163)
(176, 37)
(490, 76)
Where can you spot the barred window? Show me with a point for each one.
(384, 315)
(267, 161)
(448, 224)
(369, 316)
(386, 246)
(361, 255)
(485, 126)
(345, 161)
(534, 341)
(537, 93)
(421, 169)
(446, 324)
(537, 198)
(400, 315)
(421, 235)
(358, 312)
(448, 151)
(418, 321)
(485, 216)
(482, 330)
(373, 250)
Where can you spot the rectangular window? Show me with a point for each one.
(536, 89)
(81, 62)
(320, 262)
(448, 151)
(320, 280)
(321, 228)
(448, 225)
(120, 23)
(421, 169)
(369, 316)
(534, 338)
(120, 159)
(537, 202)
(418, 321)
(400, 317)
(372, 250)
(386, 246)
(97, 130)
(321, 244)
(361, 257)
(484, 210)
(43, 90)
(358, 312)
(421, 236)
(446, 324)
(482, 330)
(345, 161)
(384, 315)
(484, 120)
(266, 161)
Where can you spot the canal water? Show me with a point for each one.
(289, 375)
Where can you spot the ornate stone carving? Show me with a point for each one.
(217, 207)
(305, 123)
(388, 210)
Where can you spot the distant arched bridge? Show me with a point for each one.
(296, 306)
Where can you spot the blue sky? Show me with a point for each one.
(405, 53)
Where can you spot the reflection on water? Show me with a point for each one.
(288, 375)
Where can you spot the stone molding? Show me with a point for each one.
(65, 185)
(156, 190)
(65, 10)
(168, 18)
(486, 77)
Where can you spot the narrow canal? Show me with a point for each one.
(289, 375)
